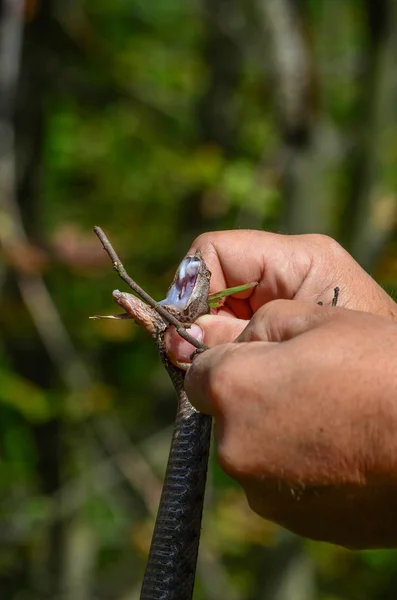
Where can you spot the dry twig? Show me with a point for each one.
(163, 312)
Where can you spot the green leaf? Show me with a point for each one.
(216, 300)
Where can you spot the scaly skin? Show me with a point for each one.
(171, 566)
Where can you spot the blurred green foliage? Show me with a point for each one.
(157, 121)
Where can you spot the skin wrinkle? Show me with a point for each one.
(322, 284)
(262, 265)
(321, 246)
(234, 258)
(213, 252)
(307, 424)
(277, 286)
(296, 265)
(287, 259)
(301, 263)
(221, 387)
(345, 372)
(316, 243)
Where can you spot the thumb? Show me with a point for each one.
(281, 320)
(211, 330)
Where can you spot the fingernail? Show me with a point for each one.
(178, 349)
(196, 332)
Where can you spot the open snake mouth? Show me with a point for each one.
(183, 285)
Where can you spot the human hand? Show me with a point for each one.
(300, 267)
(306, 418)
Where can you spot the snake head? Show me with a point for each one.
(187, 295)
(143, 314)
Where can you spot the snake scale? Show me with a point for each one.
(171, 566)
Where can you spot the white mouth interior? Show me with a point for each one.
(185, 281)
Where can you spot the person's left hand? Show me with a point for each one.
(300, 267)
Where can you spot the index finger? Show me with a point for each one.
(279, 263)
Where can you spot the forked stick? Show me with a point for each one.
(163, 312)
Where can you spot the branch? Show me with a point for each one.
(163, 312)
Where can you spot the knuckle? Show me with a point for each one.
(320, 239)
(261, 322)
(271, 306)
(202, 240)
(325, 243)
(207, 241)
(257, 328)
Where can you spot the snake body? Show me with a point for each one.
(171, 566)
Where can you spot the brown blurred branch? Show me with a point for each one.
(308, 139)
(375, 118)
(10, 49)
(33, 290)
(292, 66)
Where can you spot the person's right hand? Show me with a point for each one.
(300, 267)
(305, 413)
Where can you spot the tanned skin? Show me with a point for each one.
(304, 396)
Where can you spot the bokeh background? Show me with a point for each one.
(159, 120)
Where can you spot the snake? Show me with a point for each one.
(171, 565)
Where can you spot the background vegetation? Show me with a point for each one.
(158, 120)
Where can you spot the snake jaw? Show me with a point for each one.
(143, 314)
(187, 298)
(182, 287)
(188, 293)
